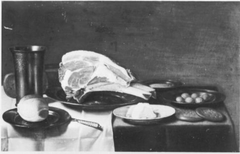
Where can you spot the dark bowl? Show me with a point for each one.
(170, 97)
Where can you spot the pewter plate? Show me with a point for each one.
(96, 101)
(55, 118)
(163, 111)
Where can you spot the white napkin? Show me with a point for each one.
(76, 137)
(88, 138)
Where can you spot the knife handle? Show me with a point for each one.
(88, 123)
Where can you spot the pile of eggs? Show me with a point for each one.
(198, 97)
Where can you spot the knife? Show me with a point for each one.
(88, 123)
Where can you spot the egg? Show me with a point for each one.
(185, 95)
(189, 100)
(194, 95)
(198, 100)
(180, 99)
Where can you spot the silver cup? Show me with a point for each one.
(29, 69)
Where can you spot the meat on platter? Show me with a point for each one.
(82, 72)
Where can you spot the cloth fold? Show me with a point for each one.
(70, 137)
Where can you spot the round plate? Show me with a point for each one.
(56, 117)
(210, 114)
(163, 110)
(188, 115)
(104, 100)
(162, 84)
(170, 96)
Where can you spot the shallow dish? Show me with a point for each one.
(170, 97)
(162, 84)
(105, 100)
(55, 118)
(164, 111)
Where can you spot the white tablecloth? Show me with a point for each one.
(72, 137)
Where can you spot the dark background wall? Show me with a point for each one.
(194, 42)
